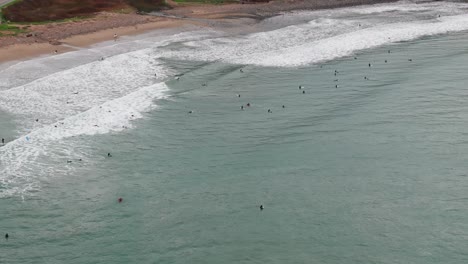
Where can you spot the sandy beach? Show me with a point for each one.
(62, 37)
(22, 50)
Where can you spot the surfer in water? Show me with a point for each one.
(109, 155)
(3, 141)
(261, 207)
(6, 236)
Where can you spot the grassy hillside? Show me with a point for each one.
(47, 10)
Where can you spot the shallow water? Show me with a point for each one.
(371, 171)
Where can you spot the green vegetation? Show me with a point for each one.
(10, 30)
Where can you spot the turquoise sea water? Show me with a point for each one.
(371, 171)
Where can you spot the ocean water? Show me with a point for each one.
(363, 164)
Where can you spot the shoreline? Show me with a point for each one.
(69, 36)
(24, 51)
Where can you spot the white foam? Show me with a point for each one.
(72, 91)
(316, 41)
(21, 158)
(409, 6)
(114, 115)
(348, 43)
(93, 98)
(21, 73)
(76, 99)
